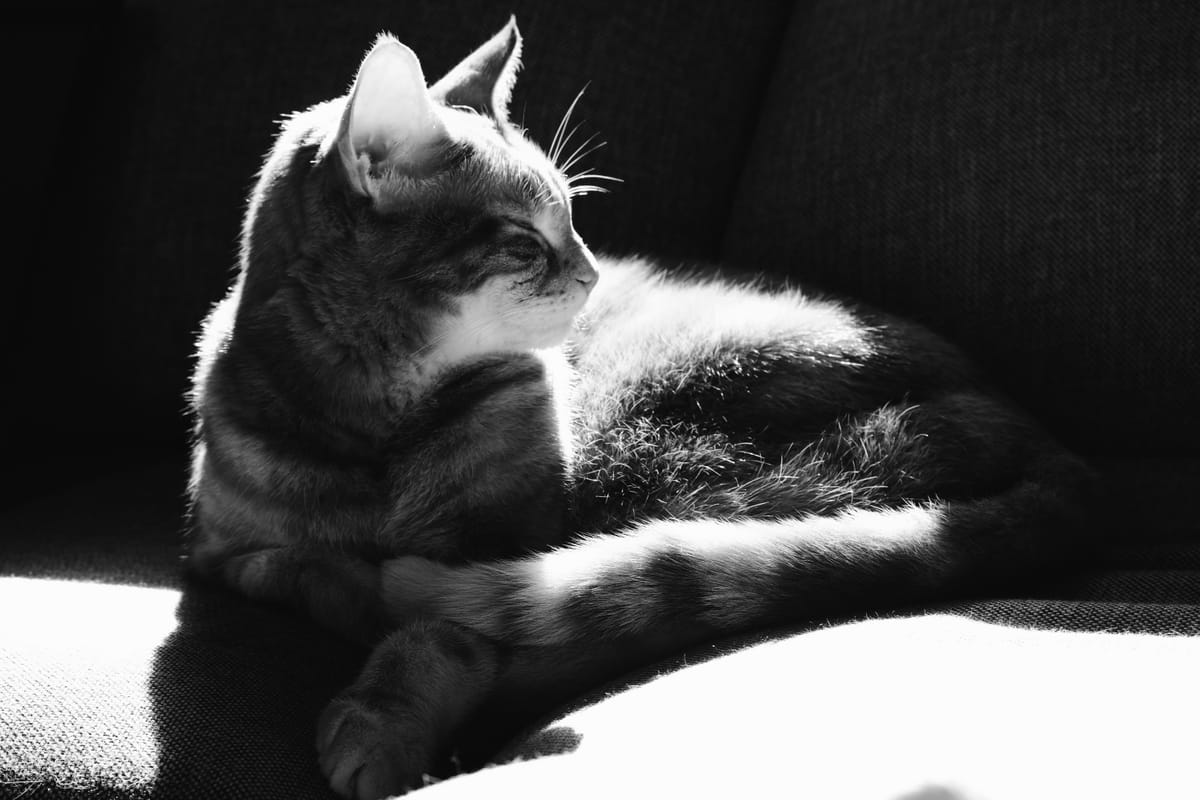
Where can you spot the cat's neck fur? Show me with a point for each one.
(334, 395)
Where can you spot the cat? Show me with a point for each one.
(429, 417)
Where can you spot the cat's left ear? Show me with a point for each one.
(483, 81)
(390, 121)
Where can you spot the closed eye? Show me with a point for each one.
(521, 240)
(523, 224)
(523, 246)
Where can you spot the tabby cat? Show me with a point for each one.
(428, 417)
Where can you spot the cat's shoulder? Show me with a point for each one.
(639, 298)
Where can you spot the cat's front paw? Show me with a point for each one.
(367, 751)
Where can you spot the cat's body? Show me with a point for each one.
(393, 437)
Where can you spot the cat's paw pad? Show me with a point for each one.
(367, 753)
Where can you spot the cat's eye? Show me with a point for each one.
(521, 241)
(522, 246)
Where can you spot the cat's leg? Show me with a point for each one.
(731, 576)
(723, 576)
(338, 591)
(381, 735)
(955, 493)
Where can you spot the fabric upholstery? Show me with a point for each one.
(1021, 177)
(934, 707)
(118, 679)
(116, 690)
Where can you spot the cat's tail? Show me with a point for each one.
(730, 575)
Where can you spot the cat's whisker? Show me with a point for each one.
(587, 188)
(566, 141)
(583, 183)
(593, 175)
(581, 152)
(559, 141)
(550, 151)
(556, 141)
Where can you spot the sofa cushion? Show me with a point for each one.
(117, 679)
(937, 707)
(110, 690)
(1021, 179)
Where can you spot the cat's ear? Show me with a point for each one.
(391, 121)
(483, 81)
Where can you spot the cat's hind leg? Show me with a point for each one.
(912, 504)
(381, 735)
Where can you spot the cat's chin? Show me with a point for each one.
(556, 336)
(537, 342)
(552, 338)
(551, 330)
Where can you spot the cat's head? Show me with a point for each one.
(410, 219)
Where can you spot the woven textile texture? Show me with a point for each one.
(1020, 176)
(117, 679)
(927, 706)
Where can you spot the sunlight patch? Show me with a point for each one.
(75, 662)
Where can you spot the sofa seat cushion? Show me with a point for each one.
(118, 679)
(929, 706)
(75, 703)
(111, 690)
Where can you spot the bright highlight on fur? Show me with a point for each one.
(429, 418)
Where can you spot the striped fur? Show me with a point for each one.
(762, 457)
(410, 426)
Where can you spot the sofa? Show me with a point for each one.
(1022, 177)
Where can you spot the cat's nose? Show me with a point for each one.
(585, 273)
(583, 267)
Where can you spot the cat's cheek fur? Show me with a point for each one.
(502, 316)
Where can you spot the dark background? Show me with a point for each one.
(153, 119)
(1021, 177)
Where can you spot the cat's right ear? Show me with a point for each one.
(390, 124)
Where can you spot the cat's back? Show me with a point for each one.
(644, 325)
(689, 380)
(647, 331)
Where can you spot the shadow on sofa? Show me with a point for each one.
(235, 691)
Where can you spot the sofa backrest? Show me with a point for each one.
(1023, 177)
(1023, 180)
